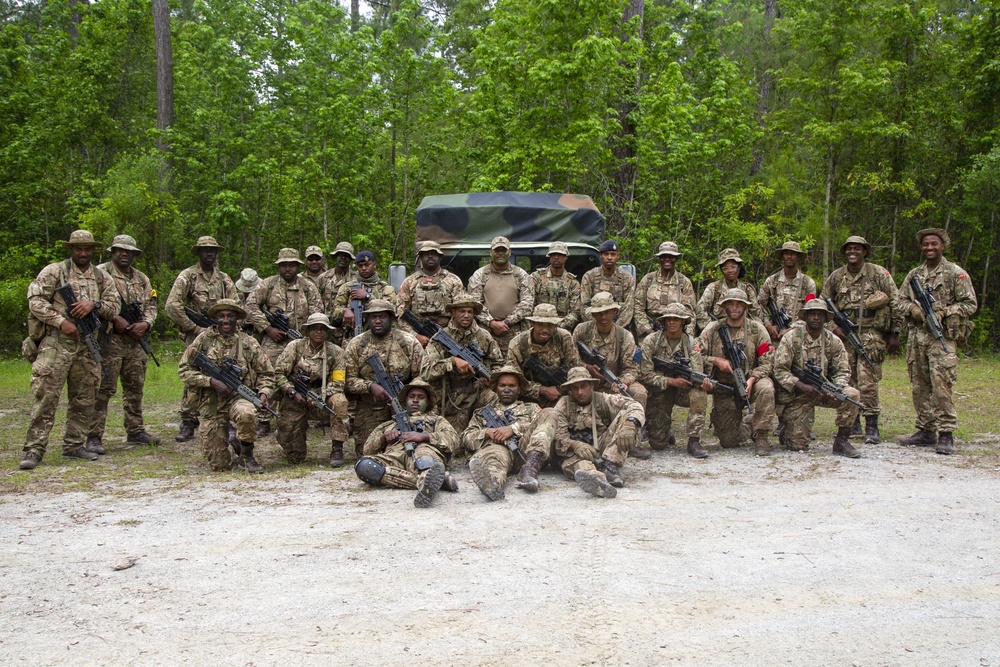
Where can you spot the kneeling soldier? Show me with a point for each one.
(413, 459)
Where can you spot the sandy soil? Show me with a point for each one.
(801, 559)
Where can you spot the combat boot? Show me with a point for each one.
(141, 438)
(432, 482)
(640, 453)
(527, 478)
(920, 439)
(450, 484)
(872, 435)
(263, 428)
(231, 438)
(485, 480)
(842, 444)
(945, 443)
(761, 447)
(81, 452)
(30, 460)
(856, 427)
(337, 454)
(247, 461)
(186, 432)
(594, 483)
(695, 449)
(614, 475)
(94, 444)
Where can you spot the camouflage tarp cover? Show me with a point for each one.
(520, 216)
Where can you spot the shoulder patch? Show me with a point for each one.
(152, 294)
(764, 348)
(810, 297)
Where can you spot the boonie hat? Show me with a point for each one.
(81, 237)
(860, 240)
(815, 304)
(545, 313)
(668, 248)
(578, 374)
(677, 311)
(247, 281)
(316, 319)
(735, 294)
(601, 302)
(379, 306)
(288, 256)
(227, 304)
(206, 242)
(344, 247)
(936, 231)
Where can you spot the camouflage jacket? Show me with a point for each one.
(521, 412)
(826, 351)
(256, 369)
(457, 390)
(563, 292)
(756, 344)
(571, 418)
(301, 355)
(199, 291)
(788, 293)
(618, 347)
(709, 305)
(654, 293)
(130, 289)
(658, 345)
(313, 279)
(867, 298)
(376, 287)
(444, 438)
(329, 284)
(401, 354)
(297, 300)
(427, 295)
(621, 286)
(559, 351)
(94, 284)
(512, 277)
(954, 299)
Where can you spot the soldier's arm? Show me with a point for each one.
(111, 303)
(444, 437)
(783, 359)
(477, 285)
(337, 369)
(340, 304)
(617, 403)
(643, 325)
(389, 294)
(966, 302)
(437, 363)
(416, 355)
(262, 366)
(628, 371)
(561, 440)
(764, 351)
(285, 364)
(229, 288)
(572, 318)
(353, 360)
(187, 371)
(840, 368)
(175, 304)
(41, 292)
(149, 309)
(755, 310)
(628, 307)
(373, 445)
(474, 435)
(530, 391)
(525, 298)
(705, 303)
(570, 355)
(255, 300)
(313, 299)
(647, 376)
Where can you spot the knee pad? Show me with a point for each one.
(423, 463)
(369, 470)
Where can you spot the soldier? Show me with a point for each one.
(752, 337)
(63, 357)
(554, 284)
(415, 459)
(199, 287)
(709, 306)
(552, 346)
(330, 282)
(461, 391)
(315, 265)
(933, 364)
(401, 354)
(659, 289)
(669, 343)
(609, 278)
(865, 292)
(245, 286)
(428, 290)
(369, 286)
(789, 287)
(491, 459)
(218, 404)
(123, 355)
(815, 344)
(323, 364)
(506, 292)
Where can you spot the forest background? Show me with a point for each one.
(272, 123)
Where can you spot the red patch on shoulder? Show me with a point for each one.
(763, 349)
(962, 276)
(810, 297)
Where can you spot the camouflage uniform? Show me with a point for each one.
(558, 352)
(329, 285)
(663, 397)
(621, 286)
(654, 293)
(788, 294)
(376, 287)
(298, 300)
(65, 359)
(496, 290)
(563, 292)
(711, 302)
(498, 459)
(618, 348)
(427, 295)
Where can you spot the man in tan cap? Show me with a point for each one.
(865, 292)
(220, 406)
(609, 278)
(315, 265)
(460, 390)
(199, 287)
(62, 356)
(554, 284)
(122, 352)
(933, 365)
(506, 292)
(787, 290)
(342, 273)
(814, 344)
(659, 289)
(549, 345)
(709, 306)
(428, 290)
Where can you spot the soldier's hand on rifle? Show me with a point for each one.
(414, 436)
(500, 435)
(378, 392)
(263, 402)
(81, 309)
(595, 371)
(462, 365)
(549, 393)
(299, 398)
(349, 318)
(892, 344)
(706, 385)
(679, 383)
(839, 333)
(807, 389)
(68, 327)
(274, 334)
(220, 387)
(751, 381)
(582, 450)
(359, 293)
(137, 330)
(723, 365)
(773, 331)
(423, 340)
(120, 325)
(499, 327)
(917, 313)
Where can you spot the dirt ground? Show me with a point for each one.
(800, 559)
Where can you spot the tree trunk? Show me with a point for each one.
(764, 90)
(623, 186)
(826, 212)
(892, 250)
(164, 73)
(355, 15)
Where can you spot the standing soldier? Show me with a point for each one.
(506, 292)
(315, 265)
(814, 345)
(63, 356)
(555, 285)
(789, 288)
(369, 286)
(322, 365)
(865, 293)
(709, 306)
(659, 289)
(330, 282)
(750, 336)
(401, 355)
(551, 346)
(428, 290)
(245, 286)
(609, 278)
(123, 355)
(218, 404)
(933, 362)
(673, 343)
(199, 287)
(461, 391)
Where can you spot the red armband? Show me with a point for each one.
(763, 349)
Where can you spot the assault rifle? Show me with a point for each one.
(301, 382)
(845, 324)
(541, 374)
(595, 358)
(279, 320)
(393, 386)
(358, 308)
(736, 355)
(812, 375)
(778, 316)
(228, 373)
(88, 326)
(202, 320)
(495, 420)
(680, 367)
(469, 353)
(587, 437)
(926, 301)
(132, 312)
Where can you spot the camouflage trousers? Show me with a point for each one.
(503, 342)
(800, 413)
(293, 422)
(933, 373)
(215, 420)
(367, 416)
(400, 473)
(864, 378)
(499, 459)
(727, 414)
(613, 446)
(62, 360)
(123, 360)
(659, 413)
(191, 397)
(542, 437)
(273, 351)
(458, 404)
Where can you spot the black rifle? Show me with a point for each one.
(202, 320)
(736, 355)
(494, 420)
(279, 320)
(544, 376)
(587, 437)
(680, 367)
(595, 358)
(229, 374)
(813, 376)
(393, 386)
(132, 312)
(468, 353)
(301, 382)
(358, 308)
(845, 324)
(88, 326)
(778, 316)
(926, 301)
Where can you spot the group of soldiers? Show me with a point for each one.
(519, 370)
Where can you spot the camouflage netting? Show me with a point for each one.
(520, 216)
